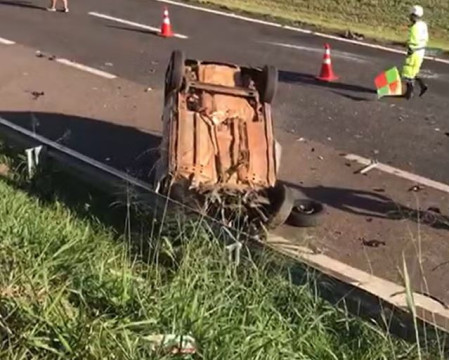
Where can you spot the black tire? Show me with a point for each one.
(281, 204)
(306, 213)
(269, 84)
(180, 193)
(175, 71)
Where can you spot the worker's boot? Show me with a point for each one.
(422, 85)
(409, 89)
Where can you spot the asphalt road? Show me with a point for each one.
(346, 115)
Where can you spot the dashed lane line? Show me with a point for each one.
(6, 41)
(86, 68)
(400, 173)
(132, 23)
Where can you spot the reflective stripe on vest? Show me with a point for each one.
(418, 36)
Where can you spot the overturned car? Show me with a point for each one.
(218, 153)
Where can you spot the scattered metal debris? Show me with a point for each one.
(373, 243)
(37, 94)
(236, 250)
(416, 188)
(34, 157)
(353, 35)
(381, 190)
(373, 164)
(434, 209)
(173, 344)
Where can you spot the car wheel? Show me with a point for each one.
(175, 72)
(306, 213)
(281, 203)
(270, 83)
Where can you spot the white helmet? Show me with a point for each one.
(417, 10)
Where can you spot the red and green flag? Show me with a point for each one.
(389, 83)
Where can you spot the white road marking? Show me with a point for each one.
(135, 24)
(292, 28)
(86, 68)
(400, 173)
(335, 53)
(6, 41)
(394, 294)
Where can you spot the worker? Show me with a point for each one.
(417, 42)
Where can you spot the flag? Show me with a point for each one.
(389, 83)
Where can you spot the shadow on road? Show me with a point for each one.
(372, 205)
(132, 29)
(121, 147)
(352, 97)
(308, 79)
(23, 4)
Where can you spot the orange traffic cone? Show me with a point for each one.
(326, 72)
(166, 28)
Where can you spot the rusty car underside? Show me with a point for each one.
(223, 137)
(218, 149)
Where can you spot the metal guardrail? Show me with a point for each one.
(332, 287)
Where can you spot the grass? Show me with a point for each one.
(73, 285)
(385, 20)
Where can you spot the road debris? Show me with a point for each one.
(37, 94)
(148, 89)
(373, 243)
(353, 35)
(39, 54)
(301, 139)
(234, 253)
(173, 344)
(416, 188)
(367, 168)
(434, 209)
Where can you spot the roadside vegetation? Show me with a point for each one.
(83, 279)
(384, 20)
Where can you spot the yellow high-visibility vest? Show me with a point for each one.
(418, 36)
